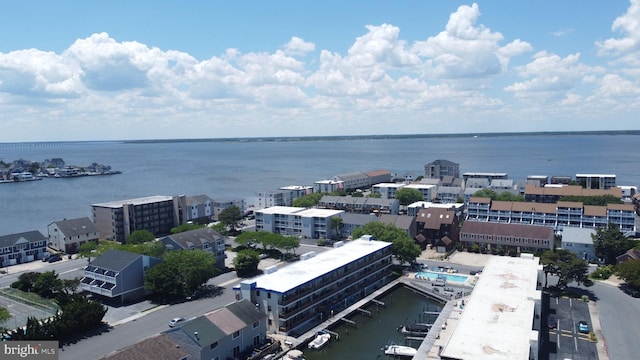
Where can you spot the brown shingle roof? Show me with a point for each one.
(517, 230)
(502, 205)
(482, 200)
(624, 207)
(534, 207)
(159, 347)
(433, 218)
(593, 210)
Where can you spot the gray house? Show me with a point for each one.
(117, 275)
(205, 239)
(68, 235)
(22, 247)
(579, 241)
(231, 332)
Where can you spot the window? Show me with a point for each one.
(214, 345)
(256, 324)
(235, 335)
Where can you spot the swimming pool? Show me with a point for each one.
(449, 277)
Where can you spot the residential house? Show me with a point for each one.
(299, 296)
(579, 241)
(438, 228)
(205, 239)
(117, 275)
(221, 204)
(503, 185)
(405, 223)
(441, 168)
(230, 332)
(282, 197)
(116, 220)
(158, 347)
(199, 209)
(67, 235)
(416, 207)
(22, 247)
(632, 254)
(509, 237)
(388, 190)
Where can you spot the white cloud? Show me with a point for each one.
(464, 50)
(629, 26)
(297, 46)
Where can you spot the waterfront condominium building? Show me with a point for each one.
(299, 296)
(296, 221)
(116, 220)
(441, 168)
(596, 181)
(560, 214)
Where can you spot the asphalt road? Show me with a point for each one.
(620, 321)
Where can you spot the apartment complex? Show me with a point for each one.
(199, 209)
(516, 237)
(296, 221)
(438, 169)
(299, 296)
(22, 247)
(360, 205)
(560, 214)
(116, 220)
(596, 181)
(551, 194)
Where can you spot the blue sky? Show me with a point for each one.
(89, 70)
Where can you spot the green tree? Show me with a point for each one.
(629, 271)
(600, 200)
(404, 249)
(246, 262)
(230, 217)
(25, 281)
(139, 237)
(567, 266)
(308, 201)
(4, 314)
(47, 284)
(408, 196)
(610, 242)
(180, 274)
(87, 248)
(507, 196)
(220, 228)
(374, 195)
(486, 193)
(336, 223)
(186, 227)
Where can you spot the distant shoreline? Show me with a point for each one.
(334, 137)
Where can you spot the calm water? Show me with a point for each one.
(373, 333)
(240, 169)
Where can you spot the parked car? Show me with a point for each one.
(175, 321)
(448, 289)
(583, 327)
(54, 258)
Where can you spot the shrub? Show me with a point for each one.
(602, 273)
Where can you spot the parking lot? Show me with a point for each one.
(561, 337)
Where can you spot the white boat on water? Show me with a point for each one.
(399, 350)
(321, 340)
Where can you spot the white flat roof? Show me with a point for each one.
(390, 185)
(303, 271)
(137, 201)
(497, 320)
(596, 175)
(421, 186)
(300, 211)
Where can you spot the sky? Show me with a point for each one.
(120, 70)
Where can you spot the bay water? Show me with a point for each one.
(239, 168)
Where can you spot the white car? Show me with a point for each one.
(176, 321)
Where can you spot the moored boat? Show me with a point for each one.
(320, 341)
(400, 350)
